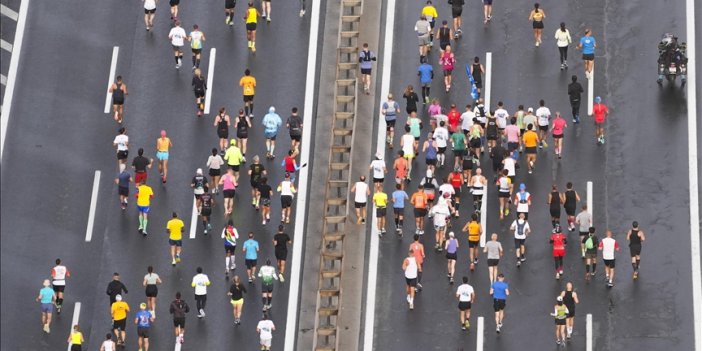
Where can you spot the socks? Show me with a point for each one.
(197, 63)
(226, 262)
(402, 222)
(146, 222)
(194, 60)
(176, 59)
(594, 267)
(141, 222)
(246, 109)
(251, 105)
(264, 299)
(587, 268)
(633, 265)
(397, 222)
(638, 262)
(270, 299)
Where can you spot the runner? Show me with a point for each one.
(58, 275)
(455, 179)
(75, 339)
(242, 123)
(271, 123)
(570, 201)
(419, 256)
(498, 155)
(558, 240)
(423, 28)
(591, 243)
(608, 246)
(519, 115)
(411, 268)
(456, 12)
(294, 125)
(477, 70)
(248, 86)
(521, 229)
(174, 9)
(574, 92)
(230, 236)
(554, 201)
(256, 172)
(543, 115)
(584, 222)
(466, 297)
(361, 193)
(502, 117)
(570, 299)
(119, 91)
(141, 164)
(398, 205)
(419, 200)
(119, 310)
(494, 251)
(510, 165)
(474, 230)
(178, 309)
(267, 275)
(198, 185)
(441, 135)
(401, 166)
(108, 344)
(265, 329)
(588, 45)
(365, 60)
(429, 185)
(214, 163)
(499, 291)
(266, 10)
(251, 17)
(411, 99)
(251, 256)
(149, 13)
(144, 195)
(290, 165)
(47, 298)
(229, 6)
(459, 144)
(380, 200)
(467, 119)
(200, 283)
(236, 298)
(504, 191)
(229, 184)
(123, 180)
(379, 171)
(263, 195)
(196, 38)
(280, 242)
(476, 133)
(287, 191)
(477, 186)
(416, 126)
(601, 112)
(536, 17)
(560, 313)
(234, 158)
(143, 322)
(177, 36)
(635, 237)
(530, 140)
(408, 149)
(121, 143)
(151, 281)
(559, 124)
(451, 247)
(115, 287)
(163, 144)
(426, 75)
(199, 88)
(222, 123)
(447, 61)
(441, 214)
(429, 11)
(207, 202)
(562, 41)
(175, 238)
(487, 11)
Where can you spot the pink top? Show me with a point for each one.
(434, 109)
(558, 125)
(228, 182)
(512, 132)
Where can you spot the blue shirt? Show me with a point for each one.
(123, 178)
(588, 44)
(365, 59)
(398, 197)
(271, 122)
(47, 295)
(425, 71)
(143, 319)
(251, 247)
(499, 290)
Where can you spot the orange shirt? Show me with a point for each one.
(400, 166)
(419, 199)
(530, 138)
(418, 252)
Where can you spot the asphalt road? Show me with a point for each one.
(637, 175)
(58, 136)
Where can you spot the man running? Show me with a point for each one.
(163, 145)
(466, 297)
(229, 6)
(635, 237)
(149, 13)
(115, 287)
(584, 222)
(175, 237)
(178, 309)
(200, 283)
(281, 240)
(230, 236)
(499, 291)
(119, 91)
(287, 191)
(361, 192)
(608, 246)
(398, 206)
(588, 45)
(177, 36)
(543, 115)
(143, 320)
(478, 185)
(591, 243)
(389, 110)
(251, 256)
(574, 92)
(144, 195)
(248, 86)
(121, 143)
(426, 75)
(379, 171)
(494, 251)
(411, 268)
(119, 310)
(141, 164)
(251, 17)
(234, 158)
(198, 184)
(474, 230)
(267, 275)
(294, 125)
(441, 214)
(266, 10)
(419, 200)
(601, 112)
(365, 60)
(196, 38)
(523, 200)
(58, 275)
(47, 298)
(380, 200)
(456, 12)
(256, 173)
(207, 202)
(265, 329)
(558, 240)
(521, 229)
(504, 191)
(271, 123)
(531, 140)
(263, 195)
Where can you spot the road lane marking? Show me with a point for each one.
(483, 216)
(481, 330)
(693, 173)
(111, 79)
(193, 220)
(93, 206)
(210, 78)
(589, 203)
(588, 332)
(488, 80)
(590, 91)
(6, 11)
(12, 74)
(74, 321)
(301, 210)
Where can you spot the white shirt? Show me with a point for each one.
(408, 144)
(502, 116)
(446, 188)
(378, 167)
(108, 345)
(523, 201)
(411, 270)
(121, 141)
(361, 195)
(515, 226)
(467, 120)
(59, 275)
(150, 4)
(286, 188)
(608, 246)
(562, 38)
(201, 282)
(177, 36)
(440, 214)
(464, 292)
(266, 327)
(441, 136)
(214, 162)
(509, 166)
(544, 115)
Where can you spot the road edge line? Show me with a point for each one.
(74, 321)
(193, 220)
(588, 332)
(589, 203)
(93, 207)
(210, 79)
(590, 91)
(111, 77)
(488, 80)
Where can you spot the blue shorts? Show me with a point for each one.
(143, 209)
(175, 242)
(162, 155)
(270, 135)
(47, 307)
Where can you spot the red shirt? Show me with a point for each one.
(600, 111)
(558, 240)
(289, 164)
(454, 118)
(456, 180)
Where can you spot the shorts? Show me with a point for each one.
(492, 262)
(398, 211)
(479, 85)
(430, 161)
(473, 244)
(174, 2)
(250, 263)
(442, 149)
(47, 307)
(491, 137)
(223, 133)
(589, 57)
(151, 290)
(286, 201)
(451, 256)
(281, 254)
(239, 302)
(234, 168)
(179, 322)
(295, 137)
(424, 40)
(537, 25)
(557, 136)
(571, 311)
(143, 209)
(464, 305)
(122, 155)
(359, 204)
(503, 194)
(459, 153)
(487, 2)
(118, 101)
(76, 347)
(215, 172)
(498, 304)
(390, 124)
(197, 52)
(609, 263)
(408, 155)
(248, 98)
(447, 72)
(178, 243)
(265, 202)
(420, 212)
(143, 332)
(590, 255)
(267, 288)
(366, 71)
(266, 342)
(599, 124)
(511, 146)
(378, 180)
(140, 177)
(229, 4)
(530, 150)
(270, 135)
(120, 324)
(543, 128)
(229, 193)
(569, 210)
(162, 155)
(560, 321)
(518, 243)
(475, 143)
(123, 191)
(381, 211)
(411, 282)
(199, 93)
(251, 26)
(206, 211)
(230, 249)
(242, 134)
(635, 250)
(456, 12)
(150, 12)
(58, 288)
(177, 48)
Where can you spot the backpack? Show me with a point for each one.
(368, 56)
(520, 227)
(590, 243)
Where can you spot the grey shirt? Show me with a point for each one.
(493, 249)
(584, 219)
(422, 28)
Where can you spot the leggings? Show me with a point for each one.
(563, 50)
(200, 300)
(558, 261)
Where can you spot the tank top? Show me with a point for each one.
(242, 128)
(444, 35)
(452, 246)
(108, 345)
(251, 15)
(491, 129)
(456, 180)
(163, 144)
(504, 184)
(228, 182)
(431, 150)
(570, 199)
(222, 124)
(478, 188)
(76, 338)
(634, 238)
(286, 188)
(555, 199)
(475, 132)
(289, 164)
(477, 73)
(561, 312)
(520, 119)
(568, 299)
(411, 270)
(118, 94)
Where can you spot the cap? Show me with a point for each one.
(522, 186)
(199, 171)
(598, 99)
(271, 109)
(142, 305)
(287, 175)
(559, 298)
(233, 142)
(118, 297)
(447, 195)
(379, 156)
(451, 234)
(163, 133)
(530, 109)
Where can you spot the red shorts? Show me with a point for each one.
(559, 253)
(138, 177)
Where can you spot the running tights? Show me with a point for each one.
(558, 261)
(477, 202)
(425, 93)
(563, 50)
(200, 301)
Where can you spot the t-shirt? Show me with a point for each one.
(430, 12)
(423, 28)
(530, 138)
(175, 229)
(499, 290)
(281, 240)
(47, 294)
(295, 125)
(265, 191)
(502, 115)
(366, 58)
(121, 140)
(441, 136)
(199, 184)
(144, 195)
(467, 120)
(584, 219)
(140, 163)
(256, 171)
(177, 36)
(196, 39)
(390, 110)
(493, 249)
(509, 165)
(151, 278)
(473, 231)
(529, 119)
(398, 198)
(558, 125)
(143, 318)
(266, 327)
(251, 249)
(521, 227)
(248, 84)
(600, 111)
(425, 71)
(360, 195)
(123, 179)
(464, 292)
(271, 122)
(380, 199)
(558, 241)
(215, 162)
(512, 132)
(588, 44)
(149, 4)
(230, 235)
(378, 167)
(267, 273)
(608, 246)
(407, 142)
(119, 310)
(459, 141)
(200, 283)
(543, 114)
(419, 199)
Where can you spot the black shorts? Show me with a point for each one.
(543, 128)
(571, 311)
(479, 85)
(491, 136)
(451, 256)
(512, 146)
(206, 211)
(503, 194)
(518, 243)
(381, 211)
(441, 149)
(589, 57)
(537, 25)
(122, 155)
(366, 71)
(199, 93)
(230, 249)
(120, 324)
(411, 282)
(378, 180)
(234, 168)
(174, 2)
(398, 211)
(459, 153)
(143, 332)
(560, 321)
(473, 244)
(223, 133)
(420, 212)
(557, 136)
(179, 322)
(430, 161)
(149, 12)
(498, 304)
(58, 288)
(295, 137)
(251, 26)
(266, 288)
(390, 124)
(118, 102)
(215, 172)
(492, 262)
(530, 150)
(229, 4)
(250, 263)
(123, 191)
(609, 263)
(487, 2)
(242, 134)
(359, 204)
(464, 305)
(229, 193)
(569, 210)
(196, 51)
(75, 347)
(456, 12)
(248, 98)
(286, 201)
(281, 254)
(475, 143)
(635, 250)
(151, 290)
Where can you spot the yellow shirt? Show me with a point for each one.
(144, 194)
(77, 338)
(530, 138)
(162, 144)
(248, 83)
(380, 199)
(251, 15)
(175, 229)
(430, 12)
(119, 310)
(473, 231)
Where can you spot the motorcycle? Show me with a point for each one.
(672, 61)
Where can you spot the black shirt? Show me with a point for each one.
(281, 241)
(115, 288)
(457, 4)
(412, 100)
(206, 199)
(265, 190)
(237, 291)
(140, 163)
(256, 171)
(574, 91)
(295, 124)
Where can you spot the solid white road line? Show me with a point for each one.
(693, 174)
(193, 220)
(12, 74)
(488, 80)
(210, 78)
(369, 327)
(6, 11)
(301, 206)
(483, 215)
(5, 45)
(93, 206)
(74, 321)
(479, 342)
(111, 79)
(588, 332)
(589, 202)
(177, 345)
(590, 91)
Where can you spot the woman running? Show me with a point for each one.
(537, 22)
(560, 312)
(119, 91)
(199, 87)
(558, 240)
(242, 123)
(236, 294)
(477, 70)
(562, 41)
(228, 182)
(447, 61)
(569, 204)
(163, 145)
(555, 199)
(214, 163)
(151, 280)
(477, 185)
(222, 123)
(411, 99)
(570, 298)
(451, 247)
(559, 125)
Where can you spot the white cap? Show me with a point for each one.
(559, 298)
(530, 109)
(379, 156)
(199, 171)
(451, 234)
(118, 297)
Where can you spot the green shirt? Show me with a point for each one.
(459, 141)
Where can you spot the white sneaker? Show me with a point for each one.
(202, 312)
(302, 12)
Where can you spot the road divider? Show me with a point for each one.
(111, 78)
(488, 80)
(193, 220)
(74, 321)
(93, 206)
(589, 202)
(210, 78)
(480, 338)
(483, 217)
(590, 91)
